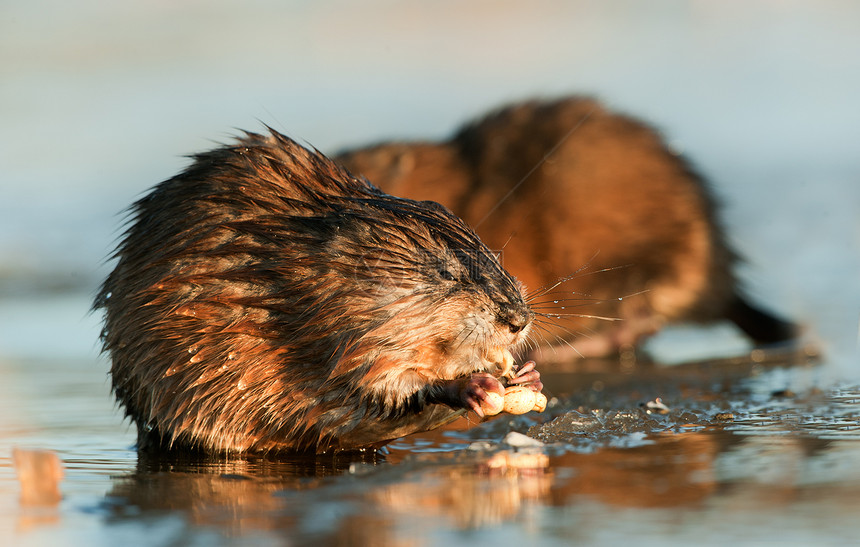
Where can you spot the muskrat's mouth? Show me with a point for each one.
(502, 360)
(498, 361)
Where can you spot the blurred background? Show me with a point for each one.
(101, 100)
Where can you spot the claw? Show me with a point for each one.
(481, 393)
(528, 375)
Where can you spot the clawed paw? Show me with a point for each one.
(527, 375)
(483, 394)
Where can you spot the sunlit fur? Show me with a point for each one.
(266, 299)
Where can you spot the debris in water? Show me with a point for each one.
(655, 407)
(39, 472)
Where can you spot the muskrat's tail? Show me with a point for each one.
(763, 327)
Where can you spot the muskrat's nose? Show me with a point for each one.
(516, 319)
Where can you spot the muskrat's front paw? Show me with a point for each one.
(524, 392)
(483, 394)
(527, 375)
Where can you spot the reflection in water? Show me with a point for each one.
(359, 498)
(773, 454)
(39, 474)
(482, 489)
(238, 495)
(677, 470)
(380, 503)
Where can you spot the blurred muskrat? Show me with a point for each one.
(615, 234)
(265, 299)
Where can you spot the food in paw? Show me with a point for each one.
(493, 404)
(540, 402)
(519, 399)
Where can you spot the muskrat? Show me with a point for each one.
(589, 205)
(267, 300)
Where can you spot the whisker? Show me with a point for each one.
(576, 275)
(540, 291)
(574, 334)
(540, 328)
(510, 237)
(546, 289)
(580, 315)
(530, 345)
(575, 301)
(463, 339)
(585, 302)
(544, 331)
(571, 346)
(564, 340)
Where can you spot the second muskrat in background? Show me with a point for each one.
(267, 300)
(566, 188)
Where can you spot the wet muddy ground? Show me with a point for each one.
(745, 450)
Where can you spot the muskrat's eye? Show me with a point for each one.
(446, 275)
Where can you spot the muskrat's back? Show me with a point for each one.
(566, 188)
(265, 299)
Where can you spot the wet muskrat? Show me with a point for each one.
(567, 189)
(265, 299)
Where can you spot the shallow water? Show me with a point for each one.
(99, 101)
(736, 457)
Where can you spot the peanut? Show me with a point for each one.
(519, 399)
(493, 404)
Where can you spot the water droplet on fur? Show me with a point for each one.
(193, 349)
(241, 385)
(230, 356)
(555, 301)
(195, 359)
(171, 371)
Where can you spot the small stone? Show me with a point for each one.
(655, 407)
(518, 440)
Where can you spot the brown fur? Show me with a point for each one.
(264, 299)
(566, 187)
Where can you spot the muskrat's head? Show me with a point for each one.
(266, 297)
(443, 306)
